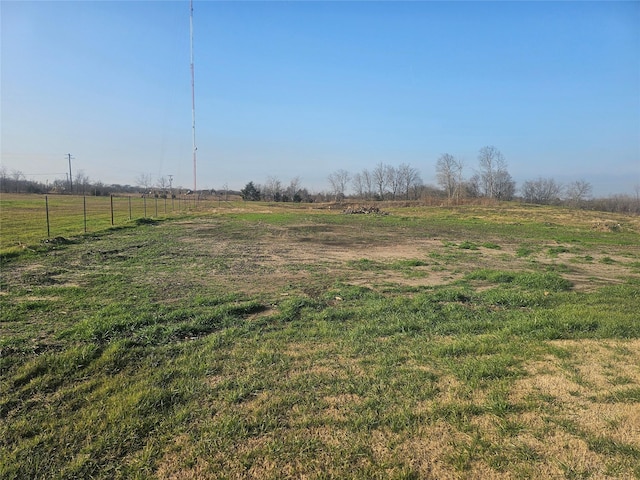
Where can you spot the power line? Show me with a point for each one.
(44, 174)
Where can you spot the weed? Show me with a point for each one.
(524, 251)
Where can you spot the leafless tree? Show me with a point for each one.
(393, 180)
(472, 186)
(504, 186)
(380, 179)
(81, 181)
(367, 181)
(16, 176)
(162, 183)
(294, 185)
(293, 190)
(492, 171)
(449, 175)
(544, 191)
(362, 184)
(225, 189)
(145, 181)
(272, 190)
(4, 177)
(408, 179)
(578, 191)
(339, 180)
(357, 184)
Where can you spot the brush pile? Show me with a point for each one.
(364, 211)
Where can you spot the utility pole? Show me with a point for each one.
(70, 177)
(171, 189)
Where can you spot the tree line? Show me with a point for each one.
(490, 179)
(15, 181)
(403, 182)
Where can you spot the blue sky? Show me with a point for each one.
(302, 89)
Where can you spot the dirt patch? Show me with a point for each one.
(291, 255)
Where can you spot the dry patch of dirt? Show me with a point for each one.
(281, 256)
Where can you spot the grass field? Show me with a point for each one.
(23, 218)
(265, 341)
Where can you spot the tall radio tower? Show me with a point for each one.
(193, 98)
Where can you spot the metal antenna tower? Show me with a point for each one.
(193, 98)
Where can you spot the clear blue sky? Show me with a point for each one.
(288, 89)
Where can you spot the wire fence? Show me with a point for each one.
(26, 219)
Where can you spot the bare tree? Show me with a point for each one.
(4, 175)
(339, 180)
(357, 184)
(472, 186)
(449, 175)
(492, 171)
(273, 189)
(577, 192)
(408, 179)
(225, 189)
(504, 186)
(367, 182)
(144, 180)
(81, 181)
(636, 189)
(542, 191)
(59, 184)
(380, 179)
(162, 183)
(393, 180)
(16, 176)
(292, 192)
(362, 184)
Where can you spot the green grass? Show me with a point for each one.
(23, 218)
(240, 344)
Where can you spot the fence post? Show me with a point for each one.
(111, 198)
(84, 211)
(46, 206)
(129, 207)
(156, 207)
(144, 201)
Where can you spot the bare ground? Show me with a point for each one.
(276, 250)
